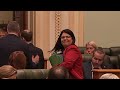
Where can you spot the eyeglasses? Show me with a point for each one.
(65, 37)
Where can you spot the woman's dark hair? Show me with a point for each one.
(58, 46)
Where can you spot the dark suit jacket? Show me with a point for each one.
(87, 67)
(9, 44)
(36, 51)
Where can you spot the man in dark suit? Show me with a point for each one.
(97, 62)
(12, 42)
(36, 54)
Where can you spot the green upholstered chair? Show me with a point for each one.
(32, 73)
(86, 57)
(114, 60)
(107, 51)
(82, 49)
(56, 59)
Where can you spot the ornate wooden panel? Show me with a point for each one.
(21, 18)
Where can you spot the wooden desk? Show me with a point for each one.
(98, 72)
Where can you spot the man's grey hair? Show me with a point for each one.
(13, 26)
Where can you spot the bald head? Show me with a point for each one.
(58, 72)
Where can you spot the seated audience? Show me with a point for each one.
(90, 47)
(58, 72)
(97, 62)
(7, 72)
(17, 59)
(109, 76)
(36, 54)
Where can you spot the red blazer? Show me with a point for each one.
(73, 61)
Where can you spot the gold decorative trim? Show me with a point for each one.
(57, 24)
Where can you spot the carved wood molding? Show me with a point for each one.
(57, 24)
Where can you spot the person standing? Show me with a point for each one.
(72, 58)
(36, 55)
(12, 42)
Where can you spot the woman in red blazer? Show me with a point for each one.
(71, 54)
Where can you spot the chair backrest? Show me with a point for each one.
(82, 49)
(56, 59)
(32, 73)
(86, 57)
(114, 60)
(115, 51)
(107, 51)
(119, 60)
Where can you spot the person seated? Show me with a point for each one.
(58, 72)
(18, 59)
(90, 47)
(109, 76)
(8, 72)
(97, 62)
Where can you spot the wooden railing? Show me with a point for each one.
(97, 73)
